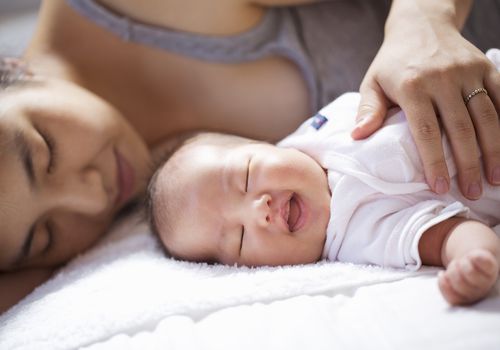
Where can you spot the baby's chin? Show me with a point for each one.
(311, 257)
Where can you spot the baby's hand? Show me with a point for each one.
(469, 278)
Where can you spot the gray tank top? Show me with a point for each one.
(331, 42)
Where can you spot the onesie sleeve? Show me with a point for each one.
(386, 231)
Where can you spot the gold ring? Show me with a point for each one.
(474, 93)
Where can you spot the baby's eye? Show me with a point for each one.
(242, 235)
(247, 176)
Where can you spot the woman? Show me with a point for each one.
(70, 163)
(112, 79)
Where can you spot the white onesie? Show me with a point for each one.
(381, 204)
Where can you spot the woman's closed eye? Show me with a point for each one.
(52, 149)
(49, 226)
(43, 240)
(38, 242)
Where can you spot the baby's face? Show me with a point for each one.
(251, 204)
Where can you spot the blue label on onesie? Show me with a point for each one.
(318, 121)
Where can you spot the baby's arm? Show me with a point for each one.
(470, 251)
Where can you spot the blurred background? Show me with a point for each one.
(17, 23)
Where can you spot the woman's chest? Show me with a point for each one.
(265, 99)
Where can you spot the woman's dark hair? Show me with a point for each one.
(13, 71)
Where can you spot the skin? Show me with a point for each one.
(235, 194)
(429, 85)
(470, 251)
(241, 197)
(153, 91)
(74, 194)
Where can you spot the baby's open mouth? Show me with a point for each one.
(293, 213)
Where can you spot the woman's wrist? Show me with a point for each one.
(416, 13)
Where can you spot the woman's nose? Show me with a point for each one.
(262, 210)
(82, 192)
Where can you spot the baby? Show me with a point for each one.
(320, 195)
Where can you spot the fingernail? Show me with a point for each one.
(474, 190)
(441, 185)
(362, 119)
(495, 176)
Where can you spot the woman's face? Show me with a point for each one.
(69, 162)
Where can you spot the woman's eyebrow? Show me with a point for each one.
(23, 150)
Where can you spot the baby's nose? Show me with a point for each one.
(262, 210)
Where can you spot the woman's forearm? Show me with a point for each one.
(404, 12)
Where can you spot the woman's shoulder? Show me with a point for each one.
(68, 30)
(126, 73)
(218, 18)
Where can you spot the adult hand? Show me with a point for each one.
(427, 68)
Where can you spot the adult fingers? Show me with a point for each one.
(485, 111)
(424, 127)
(461, 133)
(492, 84)
(371, 111)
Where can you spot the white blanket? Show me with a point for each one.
(125, 294)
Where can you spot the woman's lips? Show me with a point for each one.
(125, 179)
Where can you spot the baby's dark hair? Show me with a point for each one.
(177, 145)
(173, 145)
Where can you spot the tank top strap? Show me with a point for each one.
(275, 34)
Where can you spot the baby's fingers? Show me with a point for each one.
(449, 293)
(469, 279)
(485, 263)
(474, 275)
(466, 280)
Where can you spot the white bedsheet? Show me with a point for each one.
(124, 294)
